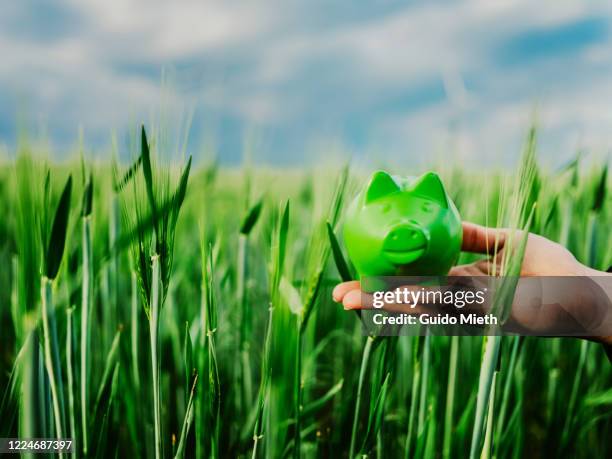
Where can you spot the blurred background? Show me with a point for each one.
(387, 82)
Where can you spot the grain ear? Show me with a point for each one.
(430, 186)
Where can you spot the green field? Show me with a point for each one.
(227, 292)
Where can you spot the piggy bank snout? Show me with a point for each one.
(405, 238)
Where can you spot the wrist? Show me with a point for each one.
(595, 274)
(584, 270)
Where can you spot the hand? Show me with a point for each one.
(542, 257)
(578, 303)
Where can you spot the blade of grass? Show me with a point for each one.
(70, 375)
(51, 356)
(180, 450)
(154, 342)
(277, 255)
(341, 264)
(57, 240)
(86, 291)
(376, 417)
(450, 397)
(243, 364)
(509, 372)
(414, 394)
(489, 362)
(365, 359)
(134, 331)
(488, 439)
(315, 406)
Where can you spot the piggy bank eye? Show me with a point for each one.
(427, 207)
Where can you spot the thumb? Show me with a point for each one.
(480, 239)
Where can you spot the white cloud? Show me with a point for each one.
(265, 64)
(159, 29)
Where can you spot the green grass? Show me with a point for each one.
(188, 313)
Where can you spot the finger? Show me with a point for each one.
(478, 268)
(342, 289)
(480, 239)
(486, 266)
(357, 299)
(352, 299)
(462, 270)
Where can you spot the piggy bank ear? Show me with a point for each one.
(381, 184)
(429, 186)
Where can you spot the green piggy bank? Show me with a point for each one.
(403, 226)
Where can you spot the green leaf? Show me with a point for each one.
(554, 210)
(279, 248)
(189, 368)
(57, 241)
(187, 421)
(315, 406)
(9, 402)
(339, 260)
(283, 231)
(599, 194)
(376, 417)
(251, 218)
(600, 398)
(87, 197)
(148, 173)
(120, 184)
(179, 194)
(103, 410)
(111, 362)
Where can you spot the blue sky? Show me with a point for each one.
(381, 81)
